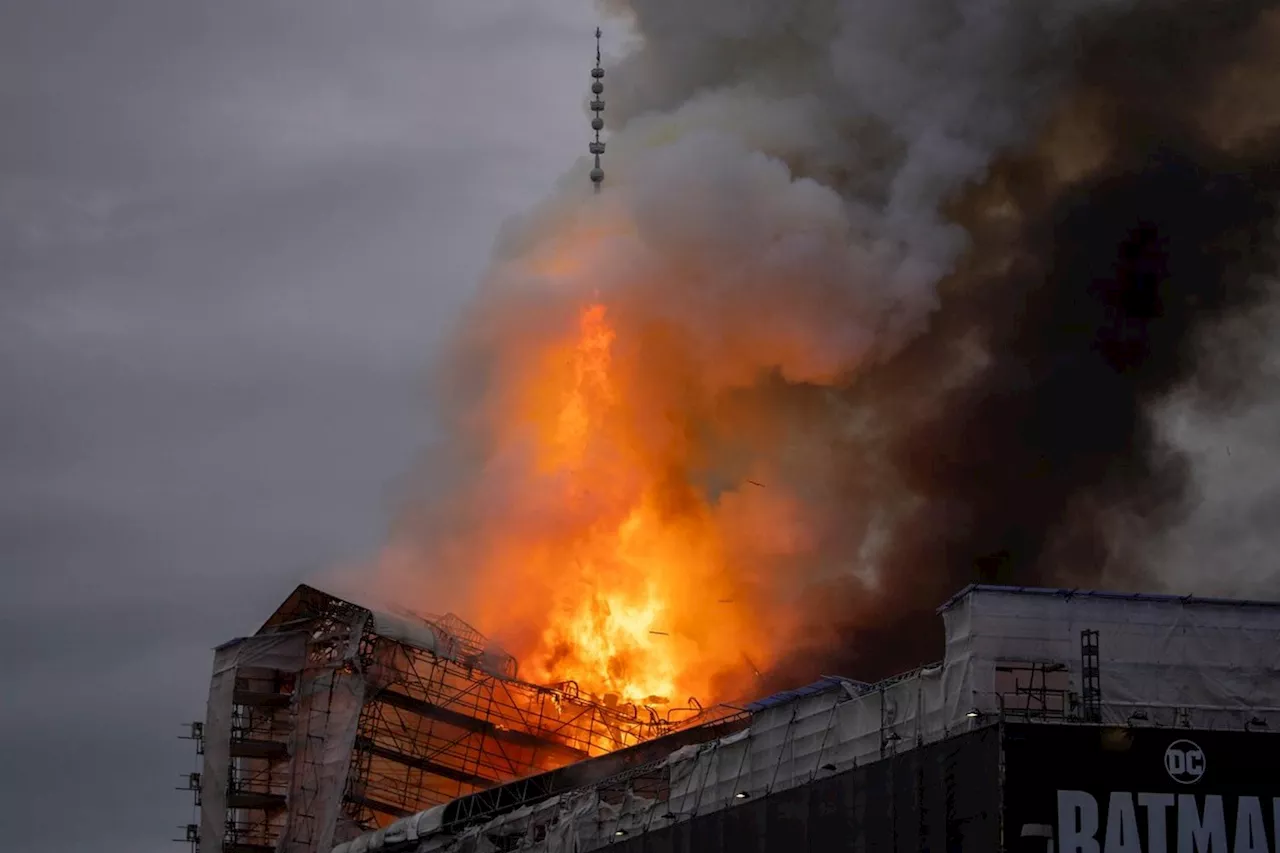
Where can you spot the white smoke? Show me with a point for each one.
(804, 151)
(776, 192)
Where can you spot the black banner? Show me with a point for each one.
(1084, 789)
(942, 797)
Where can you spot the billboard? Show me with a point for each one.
(1086, 789)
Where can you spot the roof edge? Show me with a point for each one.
(1102, 594)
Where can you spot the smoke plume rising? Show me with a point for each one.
(880, 298)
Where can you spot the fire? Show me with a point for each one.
(611, 570)
(610, 632)
(590, 393)
(618, 502)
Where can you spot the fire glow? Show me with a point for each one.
(639, 573)
(788, 381)
(611, 503)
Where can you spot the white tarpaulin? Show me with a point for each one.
(329, 702)
(329, 699)
(1206, 663)
(404, 629)
(1210, 664)
(283, 652)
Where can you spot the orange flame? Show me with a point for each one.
(622, 585)
(611, 632)
(610, 527)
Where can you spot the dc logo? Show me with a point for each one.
(1184, 762)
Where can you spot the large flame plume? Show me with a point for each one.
(810, 362)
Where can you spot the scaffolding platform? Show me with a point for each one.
(334, 720)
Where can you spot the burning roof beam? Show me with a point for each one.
(424, 765)
(483, 805)
(472, 724)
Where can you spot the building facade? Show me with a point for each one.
(1056, 721)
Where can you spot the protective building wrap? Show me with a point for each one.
(836, 756)
(286, 653)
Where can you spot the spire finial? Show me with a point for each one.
(597, 123)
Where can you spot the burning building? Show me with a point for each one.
(877, 300)
(1083, 720)
(334, 718)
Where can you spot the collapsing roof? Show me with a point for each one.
(1027, 654)
(334, 719)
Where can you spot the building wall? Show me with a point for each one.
(1087, 789)
(942, 796)
(1206, 663)
(1141, 790)
(811, 769)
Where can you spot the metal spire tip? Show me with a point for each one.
(597, 123)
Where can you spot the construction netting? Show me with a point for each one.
(1030, 655)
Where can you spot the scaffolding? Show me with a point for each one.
(1010, 663)
(335, 720)
(1091, 676)
(1035, 690)
(191, 831)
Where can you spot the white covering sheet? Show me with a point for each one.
(285, 652)
(329, 699)
(1210, 664)
(405, 629)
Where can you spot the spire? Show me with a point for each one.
(597, 123)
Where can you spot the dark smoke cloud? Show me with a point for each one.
(1044, 464)
(898, 287)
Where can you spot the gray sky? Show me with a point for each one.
(229, 233)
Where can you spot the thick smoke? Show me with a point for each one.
(897, 289)
(1046, 464)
